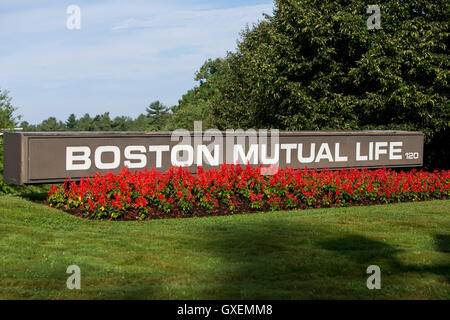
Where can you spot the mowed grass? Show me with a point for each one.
(310, 254)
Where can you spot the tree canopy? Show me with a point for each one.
(315, 65)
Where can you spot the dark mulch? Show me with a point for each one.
(242, 207)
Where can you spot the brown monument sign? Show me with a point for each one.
(54, 156)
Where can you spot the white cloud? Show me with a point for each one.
(136, 44)
(197, 18)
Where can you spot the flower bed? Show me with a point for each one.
(233, 189)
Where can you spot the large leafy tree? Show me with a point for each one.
(195, 105)
(316, 65)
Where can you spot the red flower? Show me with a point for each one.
(238, 187)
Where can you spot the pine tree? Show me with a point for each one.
(157, 115)
(71, 122)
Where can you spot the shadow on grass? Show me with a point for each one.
(363, 251)
(283, 260)
(367, 251)
(442, 242)
(300, 261)
(279, 260)
(35, 196)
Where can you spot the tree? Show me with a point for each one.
(315, 65)
(140, 123)
(27, 127)
(71, 122)
(102, 122)
(85, 123)
(195, 105)
(51, 124)
(122, 123)
(7, 118)
(157, 115)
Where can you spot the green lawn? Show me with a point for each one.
(310, 254)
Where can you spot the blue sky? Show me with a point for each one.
(126, 54)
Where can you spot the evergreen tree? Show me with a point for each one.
(71, 122)
(85, 123)
(157, 115)
(51, 124)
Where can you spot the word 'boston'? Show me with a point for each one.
(54, 156)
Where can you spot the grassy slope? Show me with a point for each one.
(320, 253)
